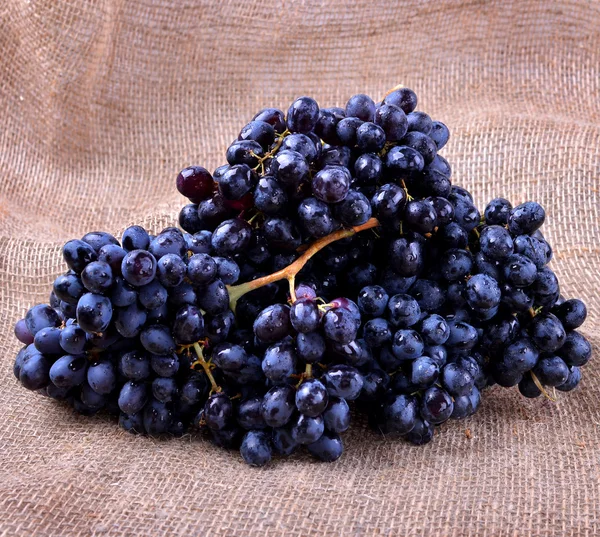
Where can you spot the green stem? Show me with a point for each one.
(215, 387)
(289, 272)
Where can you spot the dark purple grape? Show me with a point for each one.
(312, 398)
(392, 120)
(231, 237)
(188, 325)
(404, 98)
(259, 131)
(272, 116)
(135, 238)
(77, 254)
(138, 267)
(22, 333)
(331, 184)
(302, 115)
(94, 313)
(41, 316)
(195, 183)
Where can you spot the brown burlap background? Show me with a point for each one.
(103, 101)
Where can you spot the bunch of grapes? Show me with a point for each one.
(329, 267)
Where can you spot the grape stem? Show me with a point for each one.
(271, 153)
(540, 387)
(289, 273)
(397, 87)
(206, 366)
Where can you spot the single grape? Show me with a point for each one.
(388, 202)
(278, 405)
(269, 197)
(331, 184)
(157, 418)
(312, 398)
(165, 366)
(343, 381)
(370, 137)
(368, 169)
(40, 316)
(289, 169)
(403, 311)
(440, 134)
(302, 115)
(307, 429)
(377, 332)
(157, 339)
(272, 116)
(551, 371)
(421, 433)
(153, 295)
(528, 388)
(576, 349)
(339, 325)
(392, 120)
(404, 98)
(168, 241)
(249, 414)
(47, 340)
(421, 122)
(310, 347)
(337, 415)
(455, 264)
(259, 131)
(130, 321)
(328, 448)
(22, 333)
(256, 448)
(526, 218)
(521, 355)
(138, 267)
(218, 411)
(69, 288)
(77, 254)
(231, 236)
(434, 330)
(94, 313)
(237, 181)
(315, 217)
(304, 315)
(213, 298)
(34, 370)
(482, 292)
(400, 413)
(463, 336)
(456, 380)
(406, 256)
(279, 362)
(68, 371)
(436, 405)
(547, 332)
(273, 323)
(135, 365)
(407, 345)
(101, 377)
(425, 371)
(135, 238)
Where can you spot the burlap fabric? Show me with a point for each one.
(102, 102)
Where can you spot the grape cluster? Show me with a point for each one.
(330, 266)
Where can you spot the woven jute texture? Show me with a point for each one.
(103, 101)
